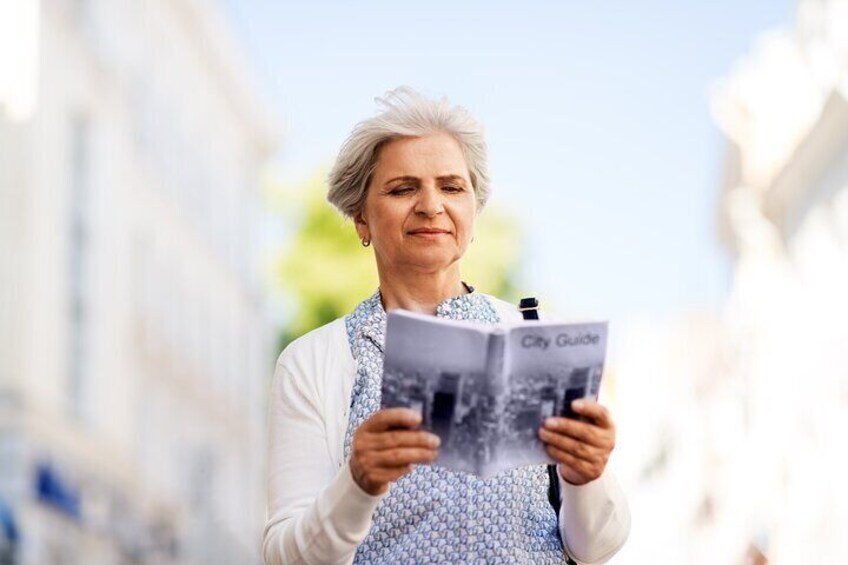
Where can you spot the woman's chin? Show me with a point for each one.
(430, 262)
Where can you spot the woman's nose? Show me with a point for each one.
(429, 202)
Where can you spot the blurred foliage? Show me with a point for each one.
(328, 272)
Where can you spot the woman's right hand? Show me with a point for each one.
(387, 445)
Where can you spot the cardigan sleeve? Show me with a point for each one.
(316, 512)
(594, 519)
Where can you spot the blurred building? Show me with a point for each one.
(674, 409)
(784, 109)
(133, 345)
(746, 410)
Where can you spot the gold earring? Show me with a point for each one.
(366, 242)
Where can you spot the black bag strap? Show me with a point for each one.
(529, 308)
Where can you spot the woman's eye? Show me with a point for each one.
(400, 190)
(452, 188)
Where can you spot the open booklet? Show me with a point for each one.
(485, 390)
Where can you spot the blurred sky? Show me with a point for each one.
(597, 115)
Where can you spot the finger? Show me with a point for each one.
(568, 444)
(583, 431)
(584, 468)
(594, 411)
(404, 438)
(402, 456)
(392, 418)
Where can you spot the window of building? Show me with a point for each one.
(78, 263)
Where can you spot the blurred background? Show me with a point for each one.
(680, 169)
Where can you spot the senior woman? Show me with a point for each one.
(351, 482)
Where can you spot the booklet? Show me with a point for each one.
(485, 390)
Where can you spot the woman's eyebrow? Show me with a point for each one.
(406, 178)
(451, 178)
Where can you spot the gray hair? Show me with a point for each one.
(406, 113)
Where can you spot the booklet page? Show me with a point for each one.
(547, 367)
(438, 367)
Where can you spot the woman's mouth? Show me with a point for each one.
(428, 233)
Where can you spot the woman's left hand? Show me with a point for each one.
(581, 449)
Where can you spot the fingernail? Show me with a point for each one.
(416, 417)
(578, 404)
(550, 422)
(435, 441)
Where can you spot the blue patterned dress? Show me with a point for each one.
(434, 515)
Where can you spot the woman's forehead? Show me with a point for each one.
(434, 155)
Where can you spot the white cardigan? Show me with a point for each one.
(318, 514)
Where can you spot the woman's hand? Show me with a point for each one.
(581, 449)
(387, 445)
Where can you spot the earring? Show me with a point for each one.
(366, 242)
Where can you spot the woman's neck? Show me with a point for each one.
(420, 292)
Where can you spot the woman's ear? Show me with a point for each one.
(361, 226)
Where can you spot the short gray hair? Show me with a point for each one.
(406, 113)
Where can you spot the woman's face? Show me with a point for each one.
(420, 206)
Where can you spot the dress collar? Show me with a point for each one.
(368, 319)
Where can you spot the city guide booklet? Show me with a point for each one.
(485, 390)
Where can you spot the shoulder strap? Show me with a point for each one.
(529, 308)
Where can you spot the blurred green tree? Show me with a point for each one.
(327, 272)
